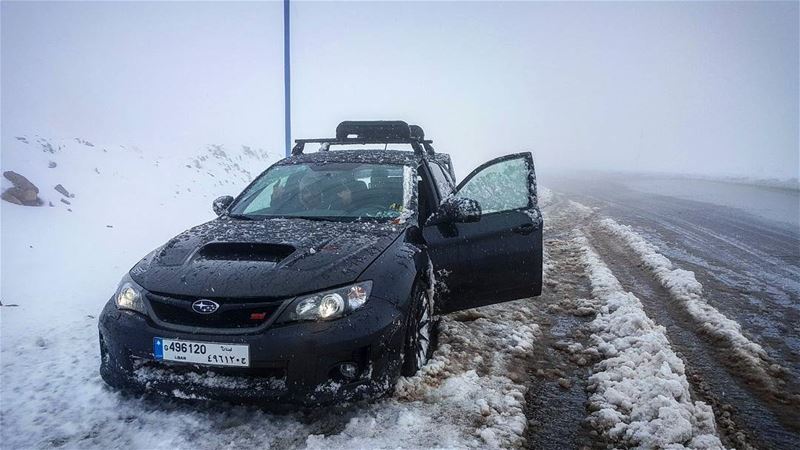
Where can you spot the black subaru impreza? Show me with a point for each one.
(319, 282)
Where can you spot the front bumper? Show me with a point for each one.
(294, 363)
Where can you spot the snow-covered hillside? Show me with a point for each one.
(62, 260)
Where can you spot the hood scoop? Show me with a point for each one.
(244, 251)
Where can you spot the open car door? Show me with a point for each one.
(485, 241)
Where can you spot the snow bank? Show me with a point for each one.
(684, 287)
(470, 394)
(546, 197)
(582, 210)
(641, 395)
(547, 263)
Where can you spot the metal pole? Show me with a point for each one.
(287, 87)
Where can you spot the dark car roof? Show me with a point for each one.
(400, 157)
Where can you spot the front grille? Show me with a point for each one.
(199, 380)
(275, 369)
(232, 312)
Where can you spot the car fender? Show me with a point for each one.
(395, 271)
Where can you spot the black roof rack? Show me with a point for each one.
(373, 132)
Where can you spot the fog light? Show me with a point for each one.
(348, 370)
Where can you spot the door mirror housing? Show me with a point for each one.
(456, 210)
(220, 205)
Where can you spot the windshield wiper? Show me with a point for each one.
(259, 217)
(316, 218)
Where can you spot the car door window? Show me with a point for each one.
(501, 186)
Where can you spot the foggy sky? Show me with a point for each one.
(677, 87)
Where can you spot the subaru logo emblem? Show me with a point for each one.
(205, 306)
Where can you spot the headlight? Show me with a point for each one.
(328, 305)
(332, 305)
(130, 295)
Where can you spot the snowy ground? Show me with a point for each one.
(627, 347)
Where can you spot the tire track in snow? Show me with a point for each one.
(684, 288)
(759, 287)
(566, 271)
(641, 396)
(556, 399)
(557, 395)
(744, 418)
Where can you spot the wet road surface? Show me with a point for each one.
(748, 262)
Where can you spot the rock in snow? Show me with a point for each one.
(23, 193)
(8, 195)
(63, 191)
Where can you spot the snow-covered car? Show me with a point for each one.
(319, 282)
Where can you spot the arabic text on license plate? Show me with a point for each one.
(211, 353)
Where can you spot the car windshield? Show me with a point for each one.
(329, 191)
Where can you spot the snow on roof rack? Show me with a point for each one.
(373, 132)
(374, 129)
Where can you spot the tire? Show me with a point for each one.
(419, 334)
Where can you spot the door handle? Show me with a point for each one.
(527, 228)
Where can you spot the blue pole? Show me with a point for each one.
(287, 87)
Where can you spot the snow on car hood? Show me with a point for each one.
(263, 258)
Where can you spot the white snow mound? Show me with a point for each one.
(641, 395)
(684, 288)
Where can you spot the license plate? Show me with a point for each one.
(209, 353)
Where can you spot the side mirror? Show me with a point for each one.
(220, 205)
(456, 210)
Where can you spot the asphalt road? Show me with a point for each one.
(743, 243)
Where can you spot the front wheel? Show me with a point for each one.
(419, 335)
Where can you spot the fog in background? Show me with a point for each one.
(702, 88)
